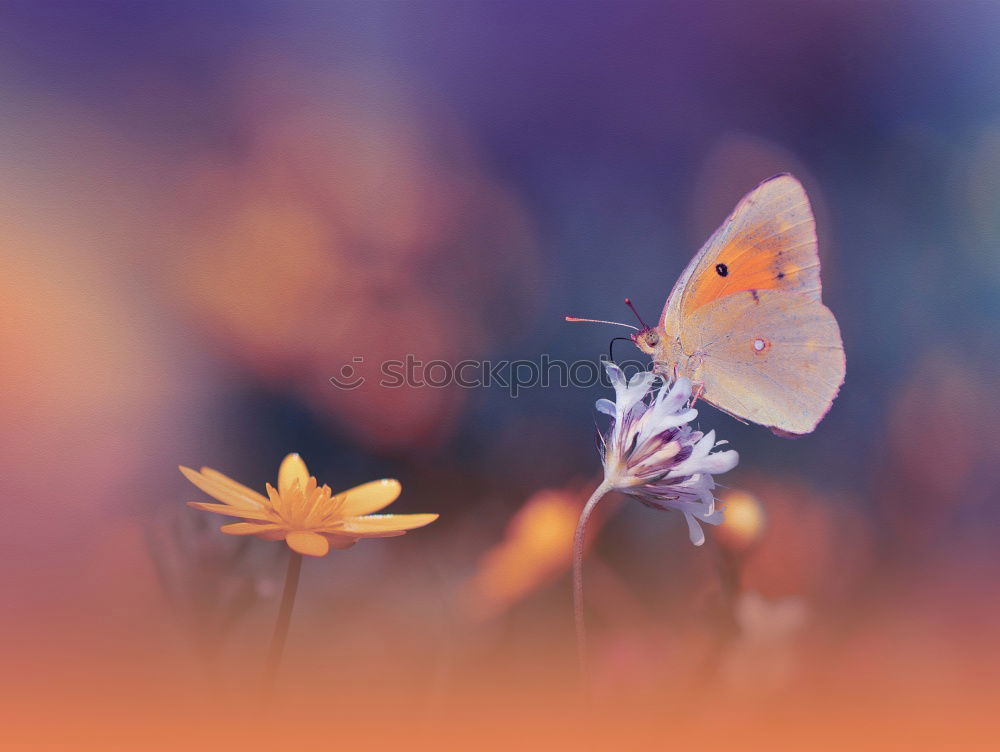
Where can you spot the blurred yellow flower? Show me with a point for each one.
(308, 517)
(744, 521)
(536, 548)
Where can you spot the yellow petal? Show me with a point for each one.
(247, 514)
(233, 485)
(383, 523)
(370, 497)
(222, 491)
(308, 544)
(292, 469)
(249, 528)
(340, 542)
(335, 532)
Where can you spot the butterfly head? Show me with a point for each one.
(647, 340)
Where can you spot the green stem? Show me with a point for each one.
(578, 541)
(284, 617)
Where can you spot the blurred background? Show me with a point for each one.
(208, 209)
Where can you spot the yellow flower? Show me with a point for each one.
(308, 517)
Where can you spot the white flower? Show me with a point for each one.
(652, 453)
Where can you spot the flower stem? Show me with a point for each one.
(578, 540)
(284, 617)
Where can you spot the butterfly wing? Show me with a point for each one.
(767, 243)
(771, 357)
(746, 318)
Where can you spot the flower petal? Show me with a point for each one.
(628, 394)
(606, 406)
(715, 517)
(337, 533)
(677, 397)
(292, 469)
(720, 462)
(339, 542)
(641, 381)
(370, 497)
(699, 460)
(615, 375)
(250, 528)
(274, 535)
(248, 514)
(382, 523)
(249, 493)
(659, 458)
(695, 533)
(307, 543)
(227, 491)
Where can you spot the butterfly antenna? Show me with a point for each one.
(628, 302)
(574, 319)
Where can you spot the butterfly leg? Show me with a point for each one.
(663, 369)
(697, 389)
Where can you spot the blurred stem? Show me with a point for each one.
(728, 565)
(578, 541)
(284, 617)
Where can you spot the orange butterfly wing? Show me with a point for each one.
(756, 284)
(769, 357)
(767, 243)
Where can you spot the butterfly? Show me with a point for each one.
(745, 321)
